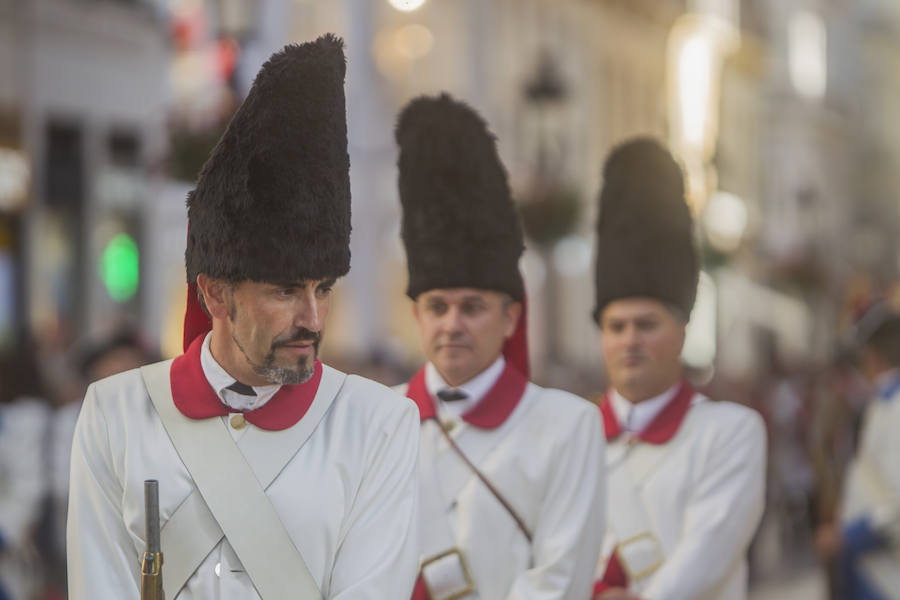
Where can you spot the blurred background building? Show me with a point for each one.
(786, 116)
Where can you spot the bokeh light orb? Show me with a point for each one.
(406, 5)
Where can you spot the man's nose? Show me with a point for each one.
(631, 336)
(307, 314)
(452, 321)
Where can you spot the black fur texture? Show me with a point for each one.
(460, 226)
(272, 203)
(645, 238)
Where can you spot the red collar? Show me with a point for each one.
(663, 427)
(489, 413)
(196, 399)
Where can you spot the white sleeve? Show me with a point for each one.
(885, 512)
(102, 561)
(567, 539)
(721, 517)
(378, 555)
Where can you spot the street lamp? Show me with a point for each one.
(698, 47)
(406, 5)
(807, 54)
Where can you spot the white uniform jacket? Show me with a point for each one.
(872, 490)
(699, 472)
(542, 449)
(871, 507)
(347, 499)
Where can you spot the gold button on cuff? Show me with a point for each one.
(238, 421)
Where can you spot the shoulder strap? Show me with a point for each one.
(251, 526)
(629, 463)
(493, 490)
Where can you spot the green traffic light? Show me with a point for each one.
(119, 267)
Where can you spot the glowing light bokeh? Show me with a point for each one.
(725, 219)
(406, 5)
(700, 340)
(695, 70)
(807, 54)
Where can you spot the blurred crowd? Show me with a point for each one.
(41, 389)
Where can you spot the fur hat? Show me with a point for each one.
(460, 226)
(272, 203)
(645, 238)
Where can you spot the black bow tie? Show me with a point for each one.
(452, 395)
(241, 388)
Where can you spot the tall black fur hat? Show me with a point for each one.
(272, 203)
(645, 239)
(460, 225)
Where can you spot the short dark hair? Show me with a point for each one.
(885, 340)
(95, 351)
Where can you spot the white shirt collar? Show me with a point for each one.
(219, 379)
(634, 417)
(475, 388)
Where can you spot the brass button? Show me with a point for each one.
(238, 421)
(449, 424)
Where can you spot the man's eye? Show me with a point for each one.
(284, 292)
(646, 325)
(324, 291)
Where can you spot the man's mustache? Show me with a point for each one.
(301, 335)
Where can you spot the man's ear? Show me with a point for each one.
(415, 310)
(513, 312)
(215, 295)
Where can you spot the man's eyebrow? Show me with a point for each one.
(303, 283)
(646, 317)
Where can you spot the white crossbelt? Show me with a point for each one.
(629, 463)
(444, 475)
(443, 566)
(232, 502)
(639, 550)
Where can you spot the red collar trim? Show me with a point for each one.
(663, 427)
(196, 399)
(489, 413)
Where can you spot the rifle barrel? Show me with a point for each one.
(151, 510)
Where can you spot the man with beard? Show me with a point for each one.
(279, 477)
(686, 475)
(511, 481)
